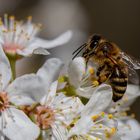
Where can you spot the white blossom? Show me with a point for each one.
(94, 124)
(52, 111)
(14, 124)
(20, 39)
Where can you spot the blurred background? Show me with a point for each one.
(118, 21)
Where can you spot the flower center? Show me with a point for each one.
(44, 116)
(4, 101)
(11, 48)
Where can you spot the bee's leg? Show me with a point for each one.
(103, 74)
(86, 61)
(100, 70)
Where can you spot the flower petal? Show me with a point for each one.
(20, 127)
(45, 44)
(76, 70)
(85, 92)
(133, 132)
(130, 96)
(58, 132)
(41, 51)
(83, 126)
(21, 100)
(28, 86)
(5, 70)
(50, 71)
(60, 40)
(48, 98)
(100, 100)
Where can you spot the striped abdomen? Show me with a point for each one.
(118, 81)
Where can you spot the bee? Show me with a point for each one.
(114, 66)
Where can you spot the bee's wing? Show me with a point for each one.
(130, 61)
(133, 77)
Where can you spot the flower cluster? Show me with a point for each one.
(47, 105)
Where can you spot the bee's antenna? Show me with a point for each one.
(77, 51)
(80, 48)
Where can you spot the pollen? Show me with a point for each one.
(102, 114)
(12, 17)
(100, 126)
(110, 133)
(91, 71)
(95, 117)
(110, 116)
(95, 83)
(61, 79)
(29, 18)
(113, 130)
(16, 38)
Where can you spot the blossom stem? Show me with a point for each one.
(13, 68)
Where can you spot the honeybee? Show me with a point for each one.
(114, 66)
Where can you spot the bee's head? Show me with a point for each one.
(92, 45)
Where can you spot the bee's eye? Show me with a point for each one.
(94, 44)
(95, 39)
(105, 49)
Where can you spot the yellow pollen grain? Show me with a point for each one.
(91, 71)
(102, 114)
(29, 17)
(95, 117)
(113, 130)
(110, 116)
(12, 17)
(61, 79)
(95, 83)
(1, 23)
(100, 126)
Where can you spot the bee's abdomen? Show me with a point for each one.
(119, 84)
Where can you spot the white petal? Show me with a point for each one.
(5, 70)
(41, 51)
(21, 100)
(41, 43)
(82, 126)
(100, 100)
(58, 132)
(48, 98)
(76, 70)
(50, 71)
(62, 39)
(28, 86)
(131, 94)
(133, 133)
(21, 128)
(85, 92)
